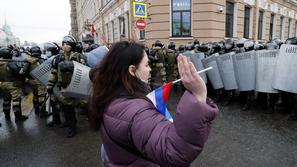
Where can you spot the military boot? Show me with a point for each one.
(70, 118)
(229, 99)
(18, 116)
(36, 107)
(293, 114)
(7, 114)
(56, 117)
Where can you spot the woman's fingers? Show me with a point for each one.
(194, 72)
(180, 66)
(187, 72)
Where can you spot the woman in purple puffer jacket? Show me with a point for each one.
(133, 132)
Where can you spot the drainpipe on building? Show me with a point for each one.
(103, 33)
(255, 37)
(130, 14)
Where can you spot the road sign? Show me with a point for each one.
(139, 10)
(140, 24)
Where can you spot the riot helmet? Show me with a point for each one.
(158, 43)
(196, 42)
(278, 41)
(240, 43)
(259, 46)
(190, 46)
(92, 47)
(27, 49)
(222, 45)
(171, 46)
(78, 47)
(18, 53)
(181, 48)
(69, 40)
(229, 44)
(291, 41)
(203, 48)
(216, 48)
(35, 51)
(272, 46)
(51, 49)
(5, 53)
(248, 45)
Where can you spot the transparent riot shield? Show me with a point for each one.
(265, 68)
(214, 74)
(226, 68)
(285, 77)
(245, 70)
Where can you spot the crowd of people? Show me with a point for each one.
(16, 80)
(164, 69)
(121, 77)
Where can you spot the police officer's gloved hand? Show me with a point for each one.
(50, 90)
(66, 67)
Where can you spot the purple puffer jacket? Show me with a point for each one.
(137, 124)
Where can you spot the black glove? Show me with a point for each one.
(66, 66)
(50, 91)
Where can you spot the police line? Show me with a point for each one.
(263, 71)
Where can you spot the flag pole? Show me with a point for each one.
(199, 72)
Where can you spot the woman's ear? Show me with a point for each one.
(132, 70)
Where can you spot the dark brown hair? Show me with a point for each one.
(111, 79)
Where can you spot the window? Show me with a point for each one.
(281, 27)
(122, 26)
(229, 19)
(271, 26)
(142, 34)
(112, 31)
(246, 31)
(181, 18)
(289, 27)
(260, 24)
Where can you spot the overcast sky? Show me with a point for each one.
(36, 20)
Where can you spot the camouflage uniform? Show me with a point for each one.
(39, 91)
(171, 68)
(11, 85)
(159, 65)
(61, 74)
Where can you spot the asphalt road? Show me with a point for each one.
(238, 138)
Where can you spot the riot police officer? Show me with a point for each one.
(247, 95)
(159, 53)
(171, 61)
(61, 73)
(39, 91)
(10, 84)
(293, 109)
(53, 49)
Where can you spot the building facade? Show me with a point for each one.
(7, 37)
(183, 21)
